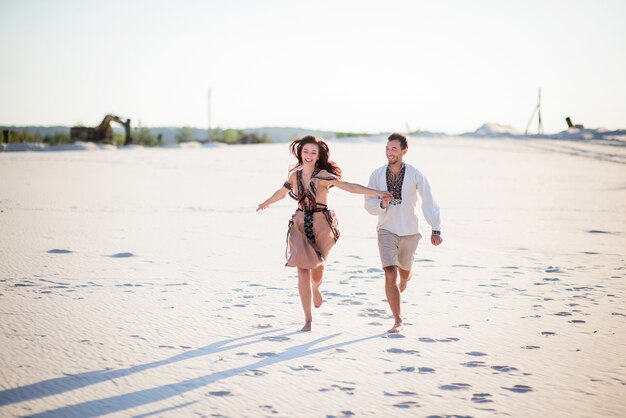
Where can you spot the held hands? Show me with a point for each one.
(385, 198)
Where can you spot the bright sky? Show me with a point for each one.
(349, 65)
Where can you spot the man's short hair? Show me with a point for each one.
(399, 137)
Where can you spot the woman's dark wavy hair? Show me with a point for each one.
(323, 162)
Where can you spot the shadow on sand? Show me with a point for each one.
(143, 397)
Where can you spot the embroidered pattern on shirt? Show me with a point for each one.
(394, 184)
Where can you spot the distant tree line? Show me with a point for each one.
(12, 136)
(148, 137)
(351, 134)
(225, 136)
(143, 136)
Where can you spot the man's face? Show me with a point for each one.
(394, 152)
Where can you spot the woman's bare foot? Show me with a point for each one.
(317, 295)
(397, 327)
(306, 327)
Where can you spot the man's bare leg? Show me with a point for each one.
(405, 276)
(318, 275)
(393, 296)
(304, 288)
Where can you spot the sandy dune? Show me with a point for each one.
(143, 283)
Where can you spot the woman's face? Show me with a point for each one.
(310, 154)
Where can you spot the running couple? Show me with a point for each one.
(391, 195)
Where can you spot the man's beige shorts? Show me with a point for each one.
(397, 251)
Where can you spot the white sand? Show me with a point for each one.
(143, 283)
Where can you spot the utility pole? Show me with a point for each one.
(210, 132)
(538, 111)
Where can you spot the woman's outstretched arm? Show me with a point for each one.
(358, 189)
(279, 194)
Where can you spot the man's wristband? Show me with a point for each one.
(436, 232)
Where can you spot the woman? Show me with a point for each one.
(313, 228)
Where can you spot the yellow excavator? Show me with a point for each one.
(102, 132)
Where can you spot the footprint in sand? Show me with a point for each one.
(548, 333)
(519, 389)
(268, 409)
(345, 389)
(410, 369)
(350, 302)
(26, 283)
(264, 355)
(344, 414)
(220, 393)
(278, 339)
(481, 398)
(59, 251)
(407, 405)
(476, 354)
(305, 368)
(401, 393)
(392, 336)
(474, 364)
(254, 373)
(456, 386)
(440, 340)
(374, 313)
(138, 337)
(504, 369)
(122, 255)
(577, 321)
(531, 347)
(401, 351)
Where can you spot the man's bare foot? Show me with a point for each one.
(397, 327)
(306, 327)
(317, 295)
(403, 283)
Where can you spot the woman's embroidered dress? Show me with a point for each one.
(312, 229)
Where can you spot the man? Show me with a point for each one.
(398, 232)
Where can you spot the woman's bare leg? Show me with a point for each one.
(318, 275)
(304, 288)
